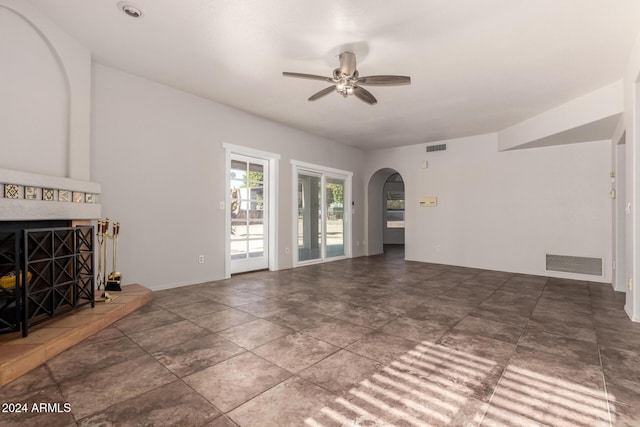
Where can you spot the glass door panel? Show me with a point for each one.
(255, 238)
(334, 206)
(248, 214)
(323, 225)
(309, 217)
(238, 240)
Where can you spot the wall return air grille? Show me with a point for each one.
(439, 147)
(575, 264)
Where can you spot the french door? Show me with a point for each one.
(249, 198)
(322, 213)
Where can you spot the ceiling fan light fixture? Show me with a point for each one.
(130, 9)
(346, 80)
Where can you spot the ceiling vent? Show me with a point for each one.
(575, 264)
(439, 147)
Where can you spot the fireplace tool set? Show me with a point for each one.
(111, 281)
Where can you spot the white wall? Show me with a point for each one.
(632, 169)
(504, 210)
(45, 95)
(158, 154)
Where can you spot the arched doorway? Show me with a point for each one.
(385, 216)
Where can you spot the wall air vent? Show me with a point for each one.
(438, 147)
(575, 264)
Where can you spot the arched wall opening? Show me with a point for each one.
(377, 232)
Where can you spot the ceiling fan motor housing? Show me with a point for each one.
(347, 63)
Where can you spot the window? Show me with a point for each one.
(395, 209)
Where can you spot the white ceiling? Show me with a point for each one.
(476, 66)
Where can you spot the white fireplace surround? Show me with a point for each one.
(22, 209)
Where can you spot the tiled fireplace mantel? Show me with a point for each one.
(43, 197)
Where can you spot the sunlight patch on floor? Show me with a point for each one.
(403, 400)
(416, 393)
(434, 385)
(412, 390)
(547, 400)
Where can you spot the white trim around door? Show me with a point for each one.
(270, 160)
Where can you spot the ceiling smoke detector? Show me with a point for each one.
(130, 9)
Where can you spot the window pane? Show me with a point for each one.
(395, 209)
(395, 195)
(238, 249)
(239, 230)
(236, 184)
(395, 204)
(335, 217)
(395, 219)
(254, 167)
(238, 170)
(395, 199)
(256, 230)
(309, 217)
(256, 248)
(257, 194)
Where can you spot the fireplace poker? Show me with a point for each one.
(115, 278)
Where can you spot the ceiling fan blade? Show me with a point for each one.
(347, 63)
(384, 80)
(364, 95)
(308, 76)
(324, 92)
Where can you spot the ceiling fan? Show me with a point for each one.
(347, 81)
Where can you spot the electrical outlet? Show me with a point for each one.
(286, 251)
(201, 259)
(438, 248)
(630, 283)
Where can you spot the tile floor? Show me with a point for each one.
(20, 355)
(363, 342)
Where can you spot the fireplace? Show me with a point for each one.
(46, 269)
(46, 246)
